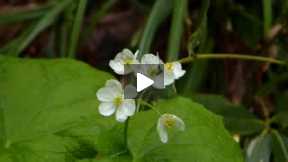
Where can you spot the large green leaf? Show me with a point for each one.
(204, 140)
(236, 117)
(48, 108)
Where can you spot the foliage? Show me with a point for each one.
(49, 111)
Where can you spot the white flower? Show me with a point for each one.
(151, 59)
(125, 57)
(172, 71)
(168, 121)
(153, 69)
(112, 100)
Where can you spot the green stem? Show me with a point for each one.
(126, 132)
(150, 106)
(232, 56)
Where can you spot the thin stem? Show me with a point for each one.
(232, 56)
(150, 106)
(126, 132)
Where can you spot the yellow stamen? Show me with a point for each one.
(169, 121)
(128, 61)
(169, 66)
(118, 101)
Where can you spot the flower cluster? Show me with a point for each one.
(111, 96)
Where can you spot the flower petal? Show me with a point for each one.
(179, 123)
(106, 94)
(162, 131)
(168, 78)
(129, 107)
(151, 59)
(127, 53)
(117, 67)
(177, 70)
(115, 85)
(106, 108)
(121, 115)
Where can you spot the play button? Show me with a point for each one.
(143, 82)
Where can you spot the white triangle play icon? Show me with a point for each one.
(143, 82)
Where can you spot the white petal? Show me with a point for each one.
(117, 66)
(151, 59)
(106, 108)
(128, 106)
(177, 70)
(106, 94)
(127, 53)
(179, 123)
(121, 115)
(162, 131)
(115, 85)
(168, 78)
(136, 54)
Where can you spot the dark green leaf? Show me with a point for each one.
(280, 152)
(259, 149)
(281, 118)
(237, 118)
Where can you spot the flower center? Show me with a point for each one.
(118, 101)
(169, 67)
(153, 72)
(128, 61)
(169, 122)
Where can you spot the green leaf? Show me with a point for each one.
(259, 149)
(280, 151)
(247, 25)
(204, 140)
(281, 119)
(160, 11)
(49, 112)
(236, 117)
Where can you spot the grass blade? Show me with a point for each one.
(179, 13)
(76, 28)
(19, 44)
(25, 14)
(267, 13)
(160, 11)
(196, 73)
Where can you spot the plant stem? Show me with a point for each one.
(232, 56)
(126, 132)
(150, 106)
